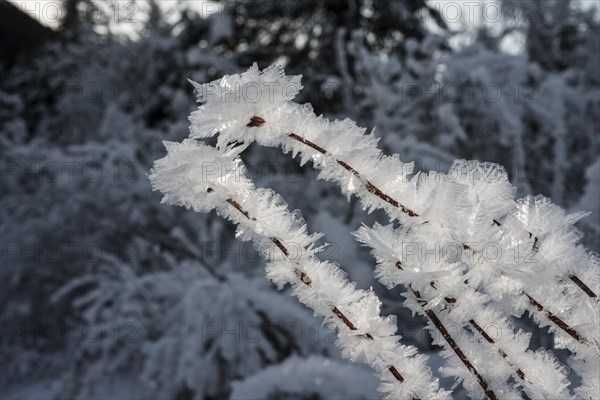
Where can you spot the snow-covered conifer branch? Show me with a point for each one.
(559, 288)
(202, 178)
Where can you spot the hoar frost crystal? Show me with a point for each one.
(469, 254)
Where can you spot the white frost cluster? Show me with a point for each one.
(469, 253)
(203, 178)
(326, 378)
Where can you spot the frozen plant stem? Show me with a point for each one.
(257, 121)
(452, 343)
(307, 281)
(370, 187)
(446, 209)
(187, 177)
(468, 309)
(583, 287)
(557, 321)
(536, 246)
(451, 301)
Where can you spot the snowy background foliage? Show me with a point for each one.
(106, 293)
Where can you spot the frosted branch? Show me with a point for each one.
(202, 178)
(471, 205)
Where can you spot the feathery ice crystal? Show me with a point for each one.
(469, 254)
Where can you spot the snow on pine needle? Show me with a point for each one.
(539, 266)
(202, 178)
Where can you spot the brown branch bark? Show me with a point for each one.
(489, 339)
(557, 321)
(536, 247)
(440, 327)
(304, 278)
(452, 343)
(370, 186)
(377, 192)
(478, 328)
(583, 286)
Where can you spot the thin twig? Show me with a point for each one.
(557, 321)
(376, 191)
(478, 328)
(461, 355)
(258, 121)
(583, 286)
(440, 326)
(489, 339)
(304, 278)
(370, 186)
